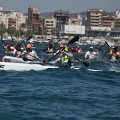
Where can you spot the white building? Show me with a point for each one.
(10, 19)
(118, 14)
(50, 25)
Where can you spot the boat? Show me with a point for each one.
(18, 60)
(18, 64)
(94, 70)
(12, 59)
(48, 53)
(8, 66)
(79, 53)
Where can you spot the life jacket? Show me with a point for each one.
(5, 46)
(111, 52)
(17, 53)
(92, 55)
(117, 55)
(28, 57)
(10, 48)
(65, 59)
(50, 50)
(73, 49)
(80, 50)
(66, 49)
(76, 50)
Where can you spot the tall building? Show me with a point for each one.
(62, 18)
(117, 22)
(117, 19)
(76, 21)
(20, 19)
(99, 18)
(11, 20)
(108, 21)
(118, 13)
(50, 26)
(34, 18)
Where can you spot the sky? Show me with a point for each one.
(73, 6)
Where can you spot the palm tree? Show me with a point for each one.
(53, 31)
(2, 28)
(22, 29)
(22, 25)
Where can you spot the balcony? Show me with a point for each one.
(94, 20)
(94, 24)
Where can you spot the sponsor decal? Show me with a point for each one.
(2, 66)
(7, 60)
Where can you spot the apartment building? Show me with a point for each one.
(94, 17)
(62, 17)
(117, 22)
(34, 18)
(11, 20)
(108, 21)
(99, 18)
(117, 19)
(20, 19)
(76, 21)
(50, 26)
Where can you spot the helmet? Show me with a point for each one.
(61, 45)
(29, 46)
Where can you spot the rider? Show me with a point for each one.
(17, 51)
(8, 48)
(65, 57)
(115, 53)
(50, 48)
(29, 54)
(61, 48)
(91, 54)
(79, 49)
(76, 49)
(110, 52)
(5, 45)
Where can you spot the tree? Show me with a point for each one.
(2, 28)
(53, 30)
(22, 25)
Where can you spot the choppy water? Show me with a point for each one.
(60, 94)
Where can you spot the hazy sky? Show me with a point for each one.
(66, 5)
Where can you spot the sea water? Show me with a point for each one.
(60, 94)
